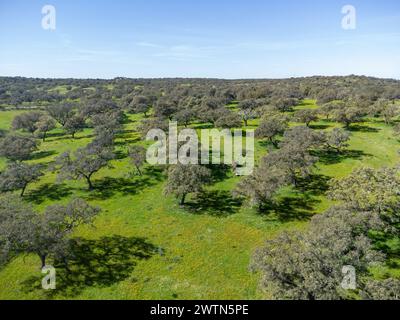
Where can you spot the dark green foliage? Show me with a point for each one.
(348, 116)
(17, 147)
(140, 104)
(185, 179)
(261, 187)
(18, 175)
(331, 107)
(74, 124)
(369, 189)
(137, 154)
(229, 120)
(84, 163)
(272, 126)
(24, 231)
(92, 107)
(308, 265)
(156, 123)
(337, 139)
(165, 108)
(62, 113)
(185, 116)
(388, 289)
(44, 125)
(306, 116)
(27, 121)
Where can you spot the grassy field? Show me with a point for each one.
(145, 246)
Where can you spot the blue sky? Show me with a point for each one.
(199, 38)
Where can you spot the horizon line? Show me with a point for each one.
(202, 78)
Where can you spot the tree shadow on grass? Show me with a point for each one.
(362, 128)
(48, 191)
(109, 186)
(119, 155)
(157, 172)
(76, 138)
(95, 263)
(319, 126)
(203, 126)
(127, 139)
(299, 207)
(268, 145)
(388, 243)
(219, 172)
(214, 203)
(2, 132)
(315, 184)
(42, 154)
(55, 134)
(328, 157)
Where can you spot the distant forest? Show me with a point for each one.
(30, 92)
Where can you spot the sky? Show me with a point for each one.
(199, 38)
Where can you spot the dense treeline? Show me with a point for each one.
(16, 91)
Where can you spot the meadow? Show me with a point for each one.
(144, 245)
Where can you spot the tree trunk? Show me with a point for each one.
(43, 260)
(89, 182)
(23, 190)
(138, 169)
(245, 122)
(44, 136)
(274, 142)
(183, 199)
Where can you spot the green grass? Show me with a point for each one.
(201, 251)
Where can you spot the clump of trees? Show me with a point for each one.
(35, 123)
(44, 125)
(368, 189)
(272, 126)
(282, 167)
(106, 127)
(285, 104)
(306, 116)
(262, 186)
(229, 120)
(137, 154)
(348, 116)
(140, 104)
(308, 265)
(76, 123)
(337, 139)
(62, 113)
(16, 147)
(22, 230)
(18, 175)
(27, 121)
(155, 123)
(185, 116)
(248, 109)
(186, 179)
(83, 163)
(328, 109)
